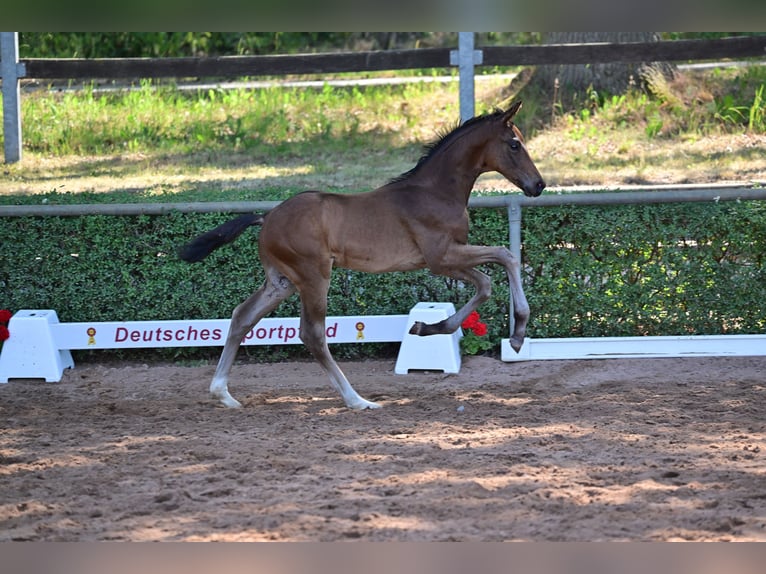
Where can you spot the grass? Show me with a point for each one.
(695, 128)
(268, 143)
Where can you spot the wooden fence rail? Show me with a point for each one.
(238, 66)
(12, 68)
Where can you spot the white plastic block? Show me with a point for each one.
(433, 352)
(31, 351)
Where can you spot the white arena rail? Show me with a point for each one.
(636, 347)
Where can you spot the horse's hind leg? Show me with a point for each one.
(313, 335)
(275, 289)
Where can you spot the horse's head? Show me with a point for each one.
(507, 154)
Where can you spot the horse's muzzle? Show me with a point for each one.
(536, 189)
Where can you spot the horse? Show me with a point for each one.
(416, 220)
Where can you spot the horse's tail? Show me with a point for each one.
(200, 247)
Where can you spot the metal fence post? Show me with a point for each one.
(514, 238)
(10, 71)
(514, 225)
(465, 57)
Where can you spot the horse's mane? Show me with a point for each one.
(443, 139)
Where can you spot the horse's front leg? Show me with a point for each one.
(458, 262)
(520, 306)
(504, 257)
(451, 324)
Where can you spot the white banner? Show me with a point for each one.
(213, 332)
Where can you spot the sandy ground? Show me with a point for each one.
(645, 449)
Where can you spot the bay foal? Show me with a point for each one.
(417, 220)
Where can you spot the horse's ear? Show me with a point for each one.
(508, 115)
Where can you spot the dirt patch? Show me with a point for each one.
(651, 449)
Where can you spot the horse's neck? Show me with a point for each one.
(454, 170)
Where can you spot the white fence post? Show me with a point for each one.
(465, 57)
(10, 71)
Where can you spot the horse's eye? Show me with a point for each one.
(514, 144)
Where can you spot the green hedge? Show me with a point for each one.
(588, 271)
(667, 269)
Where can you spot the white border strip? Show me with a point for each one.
(636, 347)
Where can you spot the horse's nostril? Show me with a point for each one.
(540, 186)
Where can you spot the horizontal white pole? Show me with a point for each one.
(213, 332)
(636, 347)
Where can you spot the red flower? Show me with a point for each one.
(480, 329)
(5, 316)
(4, 334)
(471, 321)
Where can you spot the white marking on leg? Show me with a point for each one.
(352, 399)
(245, 317)
(219, 390)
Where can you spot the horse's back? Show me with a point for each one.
(365, 231)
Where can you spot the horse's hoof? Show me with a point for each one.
(425, 329)
(516, 344)
(417, 327)
(363, 404)
(228, 401)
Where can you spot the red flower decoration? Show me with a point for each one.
(5, 316)
(472, 323)
(4, 333)
(480, 329)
